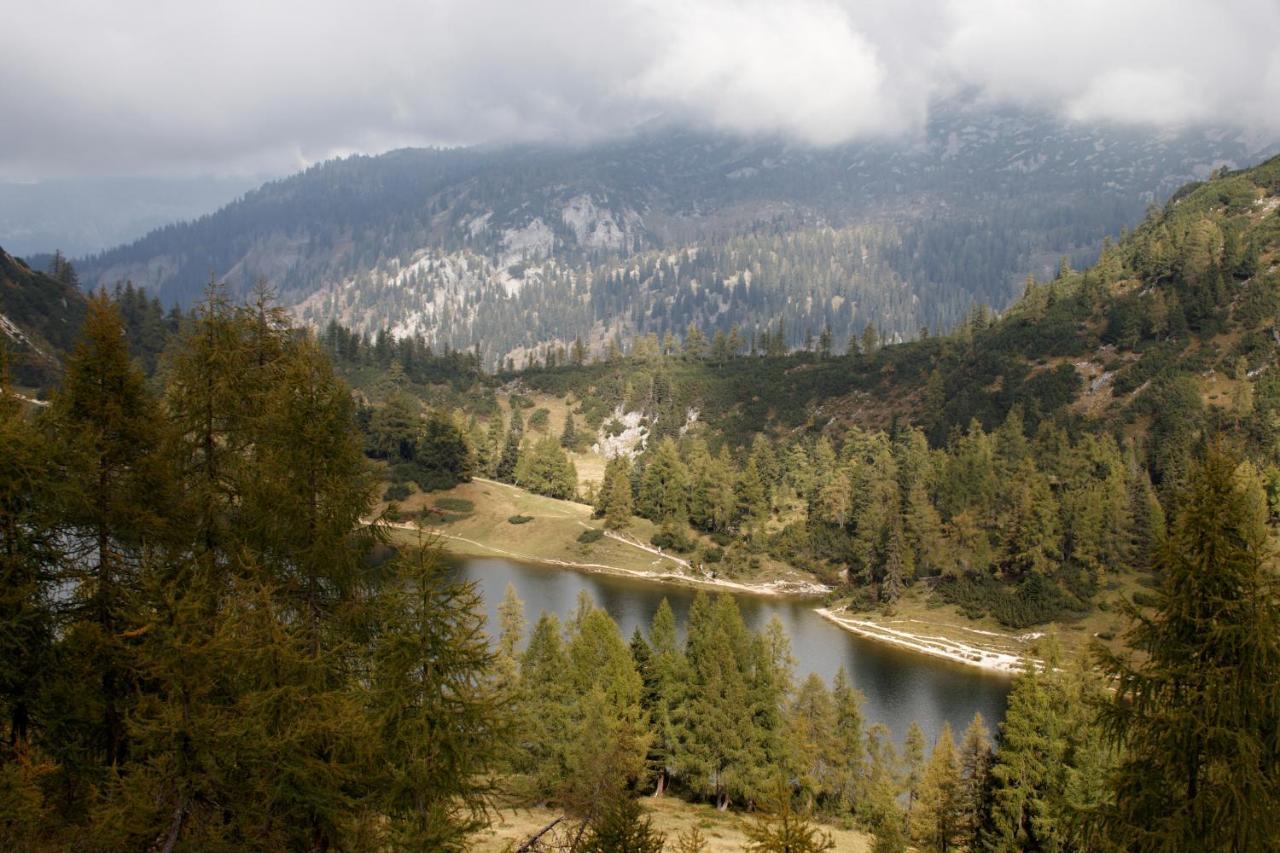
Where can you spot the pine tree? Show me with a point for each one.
(870, 340)
(1198, 716)
(1028, 775)
(691, 841)
(544, 712)
(493, 447)
(511, 621)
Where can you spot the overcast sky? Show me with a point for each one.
(238, 86)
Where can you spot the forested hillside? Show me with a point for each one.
(40, 316)
(513, 247)
(206, 644)
(1022, 466)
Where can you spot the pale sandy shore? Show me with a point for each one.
(947, 648)
(980, 652)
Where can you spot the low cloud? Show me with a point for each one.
(136, 86)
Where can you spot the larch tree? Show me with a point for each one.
(106, 434)
(1198, 715)
(937, 820)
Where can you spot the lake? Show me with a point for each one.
(899, 686)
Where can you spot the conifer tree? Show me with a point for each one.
(510, 456)
(569, 437)
(107, 433)
(811, 727)
(544, 712)
(848, 744)
(1028, 774)
(1199, 716)
(613, 501)
(439, 726)
(668, 687)
(28, 555)
(664, 488)
(936, 821)
(912, 764)
(622, 826)
(975, 769)
(493, 447)
(782, 830)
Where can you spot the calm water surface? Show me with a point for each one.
(899, 686)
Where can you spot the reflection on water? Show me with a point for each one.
(899, 686)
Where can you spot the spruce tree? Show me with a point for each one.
(569, 437)
(614, 499)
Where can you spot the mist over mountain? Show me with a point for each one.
(512, 247)
(84, 215)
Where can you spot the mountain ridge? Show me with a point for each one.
(518, 246)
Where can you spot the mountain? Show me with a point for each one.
(40, 316)
(1175, 329)
(513, 247)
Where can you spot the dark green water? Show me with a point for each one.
(899, 686)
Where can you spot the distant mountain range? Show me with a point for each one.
(511, 248)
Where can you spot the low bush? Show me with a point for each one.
(520, 519)
(396, 492)
(586, 537)
(455, 504)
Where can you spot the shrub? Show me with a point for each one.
(713, 555)
(455, 504)
(539, 420)
(586, 537)
(520, 519)
(1145, 599)
(396, 492)
(672, 540)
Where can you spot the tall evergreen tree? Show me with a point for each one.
(1198, 716)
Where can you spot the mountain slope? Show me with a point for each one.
(515, 247)
(39, 318)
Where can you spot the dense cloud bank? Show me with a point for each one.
(137, 86)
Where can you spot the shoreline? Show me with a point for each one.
(991, 660)
(944, 648)
(768, 589)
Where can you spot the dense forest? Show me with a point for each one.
(1018, 465)
(209, 645)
